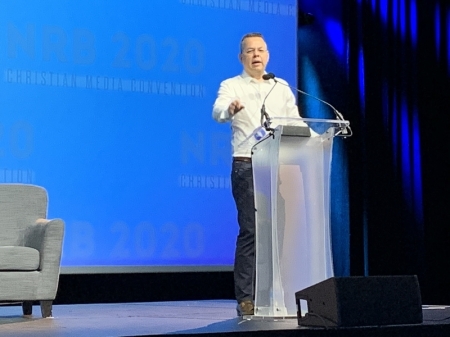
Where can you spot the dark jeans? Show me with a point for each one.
(244, 263)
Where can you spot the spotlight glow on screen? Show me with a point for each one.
(107, 104)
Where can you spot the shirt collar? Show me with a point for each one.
(247, 78)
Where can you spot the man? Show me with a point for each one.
(239, 101)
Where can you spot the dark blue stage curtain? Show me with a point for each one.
(322, 73)
(394, 87)
(107, 104)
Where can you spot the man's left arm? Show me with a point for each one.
(292, 110)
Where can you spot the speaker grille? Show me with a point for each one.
(362, 301)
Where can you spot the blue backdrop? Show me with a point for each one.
(107, 104)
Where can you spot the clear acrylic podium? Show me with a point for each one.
(291, 173)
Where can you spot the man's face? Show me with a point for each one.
(254, 56)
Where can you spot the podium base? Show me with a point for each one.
(269, 318)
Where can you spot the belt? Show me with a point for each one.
(246, 159)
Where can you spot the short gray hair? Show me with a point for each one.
(247, 36)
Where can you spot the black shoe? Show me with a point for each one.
(245, 308)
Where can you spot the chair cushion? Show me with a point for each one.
(18, 258)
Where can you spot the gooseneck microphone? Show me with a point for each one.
(347, 131)
(269, 76)
(264, 114)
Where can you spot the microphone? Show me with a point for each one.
(264, 113)
(269, 76)
(346, 131)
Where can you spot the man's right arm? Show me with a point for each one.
(226, 104)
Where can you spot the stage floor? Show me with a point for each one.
(214, 317)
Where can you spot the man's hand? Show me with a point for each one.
(235, 107)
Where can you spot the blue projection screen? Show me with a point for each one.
(107, 104)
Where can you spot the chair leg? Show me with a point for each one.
(46, 308)
(27, 307)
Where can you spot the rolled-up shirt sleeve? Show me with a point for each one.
(225, 96)
(293, 112)
(291, 106)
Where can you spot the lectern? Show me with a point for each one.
(291, 172)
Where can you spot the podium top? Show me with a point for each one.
(319, 126)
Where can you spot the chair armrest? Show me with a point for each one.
(46, 235)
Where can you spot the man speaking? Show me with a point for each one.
(248, 101)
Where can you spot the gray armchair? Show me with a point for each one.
(30, 248)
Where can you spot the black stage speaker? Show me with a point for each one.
(361, 301)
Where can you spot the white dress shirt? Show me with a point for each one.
(246, 124)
